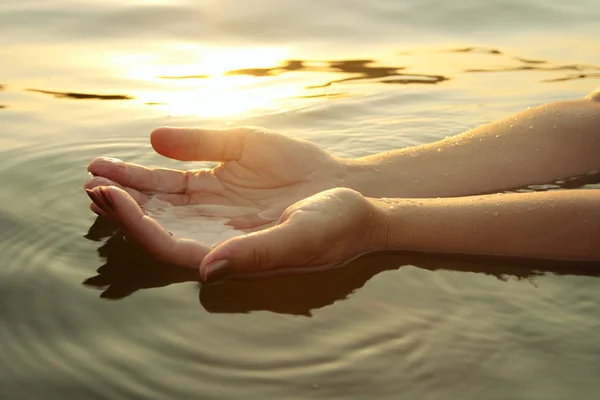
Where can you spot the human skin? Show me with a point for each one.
(272, 171)
(539, 145)
(337, 225)
(277, 175)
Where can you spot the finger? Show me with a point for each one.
(97, 209)
(145, 231)
(140, 177)
(188, 144)
(96, 181)
(282, 246)
(172, 198)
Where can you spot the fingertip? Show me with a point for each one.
(116, 194)
(97, 210)
(103, 165)
(161, 140)
(92, 166)
(158, 131)
(98, 181)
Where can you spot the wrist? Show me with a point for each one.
(364, 176)
(391, 219)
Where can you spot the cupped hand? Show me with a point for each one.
(259, 169)
(321, 231)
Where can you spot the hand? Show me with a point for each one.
(321, 231)
(262, 170)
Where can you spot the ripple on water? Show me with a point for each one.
(395, 331)
(60, 336)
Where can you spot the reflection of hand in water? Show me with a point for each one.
(128, 269)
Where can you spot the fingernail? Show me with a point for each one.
(217, 270)
(107, 198)
(97, 199)
(92, 196)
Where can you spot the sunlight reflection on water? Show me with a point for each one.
(82, 79)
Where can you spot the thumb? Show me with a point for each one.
(187, 144)
(281, 246)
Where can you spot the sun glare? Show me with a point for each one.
(199, 83)
(221, 103)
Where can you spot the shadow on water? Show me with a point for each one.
(128, 269)
(574, 77)
(483, 50)
(83, 96)
(537, 65)
(573, 67)
(362, 69)
(365, 71)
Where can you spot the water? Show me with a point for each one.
(82, 79)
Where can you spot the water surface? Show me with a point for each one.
(84, 315)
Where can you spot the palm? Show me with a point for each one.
(276, 171)
(261, 170)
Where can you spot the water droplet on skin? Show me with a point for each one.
(530, 126)
(439, 150)
(495, 213)
(511, 126)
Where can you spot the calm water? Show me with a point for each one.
(84, 316)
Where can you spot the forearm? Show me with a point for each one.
(552, 225)
(535, 146)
